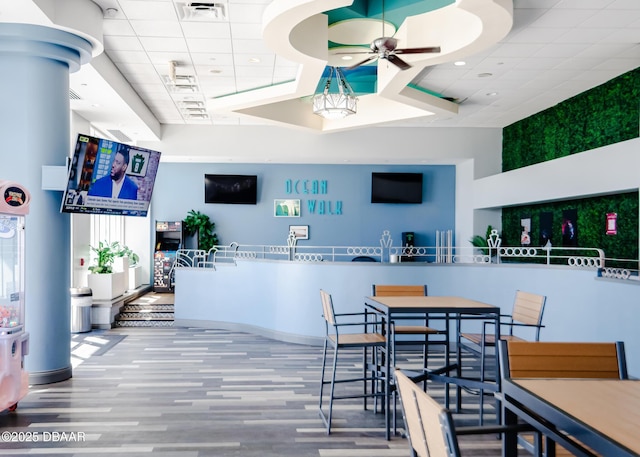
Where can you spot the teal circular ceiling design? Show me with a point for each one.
(363, 79)
(395, 11)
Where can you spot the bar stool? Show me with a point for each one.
(372, 363)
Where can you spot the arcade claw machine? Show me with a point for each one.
(14, 341)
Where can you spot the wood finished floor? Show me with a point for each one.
(182, 392)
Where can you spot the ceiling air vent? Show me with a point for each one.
(74, 95)
(120, 136)
(202, 11)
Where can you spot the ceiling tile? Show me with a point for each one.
(625, 4)
(122, 43)
(157, 28)
(588, 4)
(246, 13)
(247, 31)
(586, 35)
(161, 57)
(220, 30)
(209, 45)
(156, 44)
(128, 56)
(117, 27)
(564, 18)
(241, 46)
(212, 59)
(148, 10)
(538, 35)
(139, 70)
(611, 18)
(560, 50)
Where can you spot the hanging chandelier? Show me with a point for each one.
(337, 101)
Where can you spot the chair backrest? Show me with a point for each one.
(528, 309)
(536, 359)
(422, 419)
(327, 308)
(383, 290)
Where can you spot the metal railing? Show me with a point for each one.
(574, 257)
(442, 252)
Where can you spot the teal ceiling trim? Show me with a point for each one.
(253, 89)
(395, 11)
(425, 90)
(363, 80)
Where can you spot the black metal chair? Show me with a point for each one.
(537, 359)
(430, 429)
(416, 334)
(339, 339)
(524, 322)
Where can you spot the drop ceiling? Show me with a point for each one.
(182, 63)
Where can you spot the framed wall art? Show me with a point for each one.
(301, 232)
(286, 207)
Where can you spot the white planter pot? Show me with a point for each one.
(121, 264)
(135, 277)
(107, 286)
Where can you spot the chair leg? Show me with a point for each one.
(365, 353)
(324, 362)
(333, 385)
(481, 392)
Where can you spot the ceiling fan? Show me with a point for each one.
(386, 48)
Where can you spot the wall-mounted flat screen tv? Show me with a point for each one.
(107, 177)
(231, 189)
(396, 187)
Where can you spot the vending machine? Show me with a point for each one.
(14, 341)
(169, 239)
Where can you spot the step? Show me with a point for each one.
(139, 323)
(132, 308)
(145, 316)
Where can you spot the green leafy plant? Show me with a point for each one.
(105, 253)
(197, 223)
(122, 250)
(480, 241)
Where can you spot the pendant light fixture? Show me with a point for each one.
(337, 100)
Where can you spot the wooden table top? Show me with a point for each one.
(432, 303)
(610, 407)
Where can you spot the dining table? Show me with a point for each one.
(446, 308)
(589, 417)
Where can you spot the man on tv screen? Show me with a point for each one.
(117, 184)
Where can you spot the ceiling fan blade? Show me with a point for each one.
(398, 62)
(374, 57)
(418, 50)
(353, 52)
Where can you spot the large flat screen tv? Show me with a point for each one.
(396, 187)
(107, 177)
(231, 189)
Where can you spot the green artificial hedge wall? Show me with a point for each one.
(604, 115)
(591, 224)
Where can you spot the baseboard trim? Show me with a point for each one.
(49, 377)
(235, 327)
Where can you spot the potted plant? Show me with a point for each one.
(199, 224)
(105, 284)
(480, 242)
(133, 271)
(125, 251)
(105, 253)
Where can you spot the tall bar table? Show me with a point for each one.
(451, 308)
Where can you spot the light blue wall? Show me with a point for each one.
(180, 188)
(284, 298)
